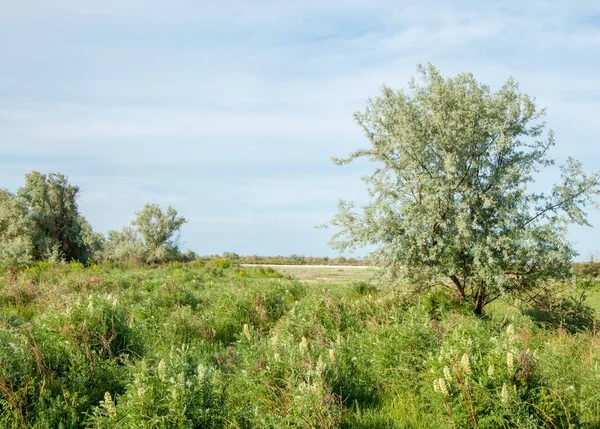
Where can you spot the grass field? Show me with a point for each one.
(330, 274)
(220, 346)
(344, 275)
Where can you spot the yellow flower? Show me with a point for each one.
(510, 332)
(447, 374)
(331, 355)
(109, 405)
(510, 362)
(443, 387)
(504, 395)
(162, 370)
(201, 372)
(320, 368)
(466, 364)
(247, 332)
(303, 344)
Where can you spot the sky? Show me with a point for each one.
(231, 111)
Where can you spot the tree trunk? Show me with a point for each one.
(479, 300)
(459, 287)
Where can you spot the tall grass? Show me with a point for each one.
(214, 345)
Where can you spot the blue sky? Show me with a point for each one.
(230, 112)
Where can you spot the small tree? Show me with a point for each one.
(152, 236)
(159, 231)
(232, 256)
(16, 245)
(124, 245)
(51, 203)
(42, 222)
(450, 197)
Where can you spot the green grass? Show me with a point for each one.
(314, 274)
(220, 346)
(593, 300)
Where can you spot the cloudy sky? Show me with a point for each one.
(231, 111)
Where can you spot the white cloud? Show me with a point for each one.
(177, 102)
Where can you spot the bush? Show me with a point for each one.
(563, 312)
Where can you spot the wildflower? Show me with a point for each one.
(436, 386)
(141, 391)
(320, 368)
(303, 344)
(504, 394)
(247, 332)
(510, 332)
(466, 365)
(109, 405)
(179, 386)
(276, 355)
(441, 355)
(331, 355)
(447, 374)
(510, 362)
(443, 387)
(491, 371)
(162, 370)
(201, 371)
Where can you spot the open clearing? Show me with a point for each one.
(324, 273)
(346, 274)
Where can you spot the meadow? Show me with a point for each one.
(218, 345)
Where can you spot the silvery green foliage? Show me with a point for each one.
(42, 222)
(92, 241)
(450, 201)
(157, 227)
(158, 230)
(16, 246)
(123, 245)
(152, 236)
(59, 231)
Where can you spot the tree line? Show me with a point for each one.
(42, 222)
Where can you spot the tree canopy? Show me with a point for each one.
(42, 222)
(451, 192)
(151, 237)
(16, 244)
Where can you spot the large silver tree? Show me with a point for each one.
(450, 196)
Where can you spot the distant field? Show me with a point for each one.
(340, 274)
(332, 274)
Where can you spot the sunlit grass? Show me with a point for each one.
(217, 345)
